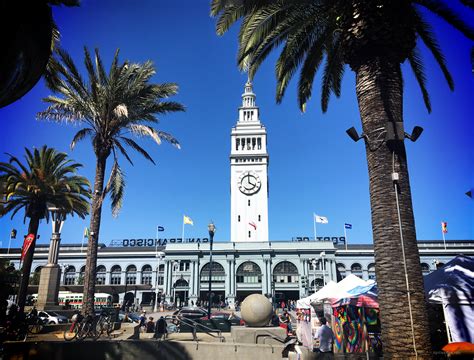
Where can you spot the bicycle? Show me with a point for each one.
(104, 324)
(73, 330)
(88, 328)
(34, 323)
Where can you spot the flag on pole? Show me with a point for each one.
(86, 233)
(320, 219)
(444, 227)
(26, 245)
(348, 226)
(160, 228)
(13, 234)
(187, 220)
(252, 224)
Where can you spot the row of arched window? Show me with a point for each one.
(247, 272)
(357, 270)
(73, 277)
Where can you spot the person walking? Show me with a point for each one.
(142, 320)
(150, 325)
(160, 329)
(325, 336)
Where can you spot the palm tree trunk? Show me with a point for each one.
(92, 242)
(28, 260)
(379, 92)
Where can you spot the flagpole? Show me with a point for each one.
(9, 243)
(314, 225)
(345, 235)
(82, 242)
(183, 230)
(444, 239)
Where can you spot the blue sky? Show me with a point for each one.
(314, 166)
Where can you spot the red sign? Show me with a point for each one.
(26, 244)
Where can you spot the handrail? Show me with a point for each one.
(195, 324)
(269, 334)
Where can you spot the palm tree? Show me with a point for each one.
(111, 107)
(373, 37)
(48, 179)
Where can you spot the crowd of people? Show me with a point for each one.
(158, 328)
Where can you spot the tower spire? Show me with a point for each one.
(248, 97)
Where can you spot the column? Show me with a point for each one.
(228, 278)
(232, 292)
(270, 279)
(193, 283)
(167, 280)
(334, 270)
(50, 277)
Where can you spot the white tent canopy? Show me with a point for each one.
(334, 290)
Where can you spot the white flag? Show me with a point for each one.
(320, 219)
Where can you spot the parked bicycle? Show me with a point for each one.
(76, 324)
(104, 324)
(81, 328)
(34, 323)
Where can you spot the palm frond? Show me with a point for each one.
(137, 148)
(333, 72)
(80, 135)
(427, 36)
(440, 9)
(417, 66)
(115, 187)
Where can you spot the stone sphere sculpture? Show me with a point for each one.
(256, 310)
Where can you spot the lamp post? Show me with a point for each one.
(322, 256)
(212, 229)
(51, 273)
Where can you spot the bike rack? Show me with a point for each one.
(195, 325)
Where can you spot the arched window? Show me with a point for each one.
(356, 269)
(35, 276)
(425, 268)
(115, 275)
(249, 272)
(319, 284)
(285, 272)
(371, 271)
(131, 275)
(101, 274)
(181, 283)
(146, 274)
(70, 275)
(80, 278)
(218, 273)
(341, 268)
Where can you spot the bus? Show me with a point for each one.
(74, 300)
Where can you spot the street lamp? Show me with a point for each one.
(322, 255)
(212, 229)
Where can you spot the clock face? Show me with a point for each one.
(249, 183)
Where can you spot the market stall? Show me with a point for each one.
(452, 286)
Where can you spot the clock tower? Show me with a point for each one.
(249, 174)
